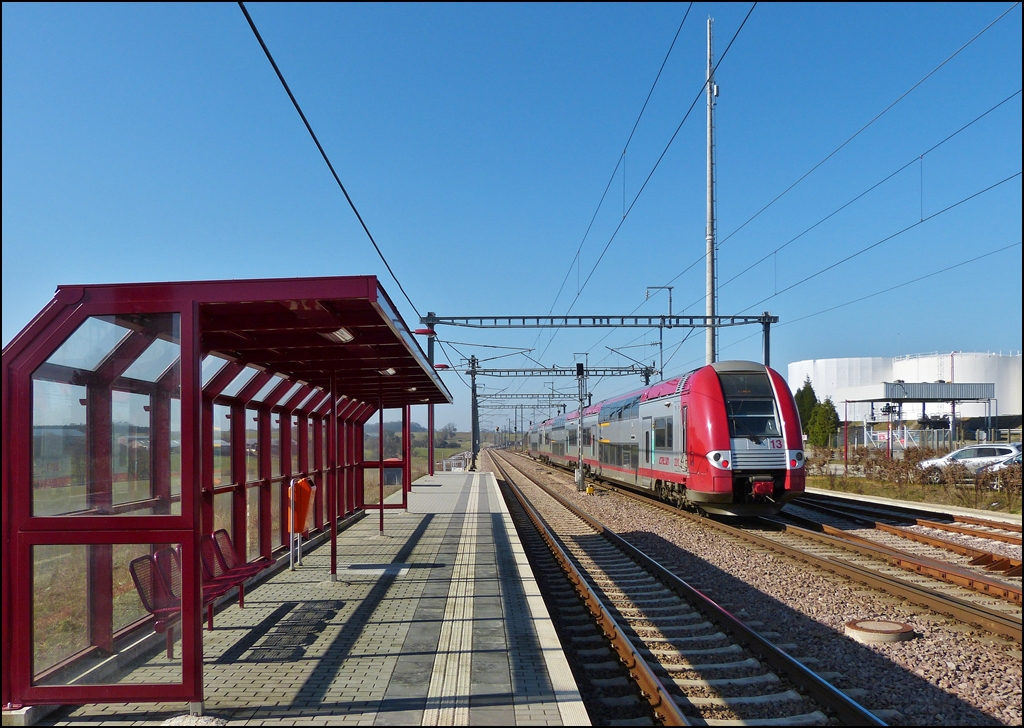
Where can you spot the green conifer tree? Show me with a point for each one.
(824, 423)
(806, 401)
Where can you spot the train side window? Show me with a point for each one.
(663, 433)
(682, 433)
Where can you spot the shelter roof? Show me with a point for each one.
(921, 392)
(301, 328)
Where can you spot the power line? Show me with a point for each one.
(323, 154)
(901, 285)
(615, 171)
(863, 128)
(883, 240)
(872, 295)
(661, 157)
(854, 199)
(621, 157)
(450, 364)
(485, 346)
(653, 169)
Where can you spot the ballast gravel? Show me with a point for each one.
(950, 674)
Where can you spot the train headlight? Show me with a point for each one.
(720, 458)
(795, 459)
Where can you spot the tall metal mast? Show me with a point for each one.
(711, 343)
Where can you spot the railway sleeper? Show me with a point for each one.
(685, 628)
(639, 580)
(765, 679)
(643, 603)
(713, 637)
(787, 696)
(748, 664)
(708, 651)
(667, 621)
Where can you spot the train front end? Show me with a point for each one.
(751, 460)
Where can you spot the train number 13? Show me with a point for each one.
(775, 444)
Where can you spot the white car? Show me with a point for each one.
(1003, 464)
(972, 457)
(1000, 467)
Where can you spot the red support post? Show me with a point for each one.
(266, 528)
(160, 449)
(406, 454)
(206, 422)
(101, 498)
(239, 501)
(332, 455)
(846, 438)
(380, 458)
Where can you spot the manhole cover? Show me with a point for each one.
(879, 630)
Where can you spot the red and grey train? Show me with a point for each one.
(725, 439)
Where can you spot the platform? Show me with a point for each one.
(438, 622)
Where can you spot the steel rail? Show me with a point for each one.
(1015, 540)
(911, 514)
(987, 559)
(847, 709)
(919, 564)
(943, 604)
(665, 708)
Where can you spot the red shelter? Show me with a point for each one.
(139, 417)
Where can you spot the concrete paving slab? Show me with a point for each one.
(438, 622)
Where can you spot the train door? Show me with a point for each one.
(682, 458)
(647, 456)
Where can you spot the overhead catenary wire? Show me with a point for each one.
(905, 283)
(661, 157)
(886, 239)
(323, 154)
(650, 174)
(857, 197)
(620, 159)
(917, 158)
(611, 178)
(878, 116)
(876, 293)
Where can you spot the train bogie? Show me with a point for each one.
(725, 438)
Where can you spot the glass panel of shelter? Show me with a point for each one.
(106, 441)
(65, 648)
(106, 420)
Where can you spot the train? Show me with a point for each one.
(724, 439)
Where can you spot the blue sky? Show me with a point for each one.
(153, 142)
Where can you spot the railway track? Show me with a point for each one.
(996, 572)
(694, 662)
(973, 597)
(985, 533)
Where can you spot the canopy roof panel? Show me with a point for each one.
(301, 328)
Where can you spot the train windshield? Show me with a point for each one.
(750, 404)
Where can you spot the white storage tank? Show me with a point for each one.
(836, 377)
(1003, 370)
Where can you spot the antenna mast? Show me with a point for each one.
(711, 341)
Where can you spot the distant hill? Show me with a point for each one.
(397, 427)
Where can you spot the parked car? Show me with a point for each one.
(972, 457)
(1000, 469)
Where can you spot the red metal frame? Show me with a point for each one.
(278, 326)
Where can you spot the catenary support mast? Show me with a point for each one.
(711, 343)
